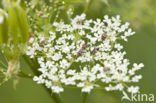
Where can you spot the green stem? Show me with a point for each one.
(84, 98)
(88, 5)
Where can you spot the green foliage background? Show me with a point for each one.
(140, 48)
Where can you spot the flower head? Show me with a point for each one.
(84, 54)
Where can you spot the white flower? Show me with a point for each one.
(57, 56)
(71, 72)
(80, 85)
(57, 89)
(119, 87)
(118, 47)
(136, 78)
(133, 89)
(48, 84)
(39, 79)
(64, 64)
(87, 88)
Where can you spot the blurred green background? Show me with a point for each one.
(140, 48)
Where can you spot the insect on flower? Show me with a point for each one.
(84, 46)
(42, 43)
(104, 35)
(105, 23)
(106, 69)
(95, 50)
(80, 21)
(79, 53)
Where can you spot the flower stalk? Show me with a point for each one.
(84, 97)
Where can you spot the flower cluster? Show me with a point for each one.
(85, 54)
